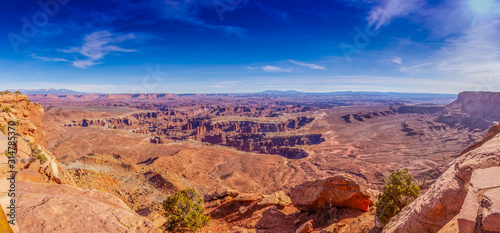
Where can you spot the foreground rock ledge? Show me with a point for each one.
(340, 190)
(63, 208)
(445, 198)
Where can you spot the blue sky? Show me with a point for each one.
(220, 46)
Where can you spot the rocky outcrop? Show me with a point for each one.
(63, 208)
(341, 190)
(479, 104)
(474, 110)
(243, 135)
(362, 116)
(28, 115)
(28, 157)
(445, 198)
(421, 109)
(43, 202)
(279, 199)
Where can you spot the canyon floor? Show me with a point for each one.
(212, 142)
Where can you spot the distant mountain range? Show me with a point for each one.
(47, 91)
(267, 92)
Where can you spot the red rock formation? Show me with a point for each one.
(367, 115)
(479, 104)
(243, 135)
(28, 114)
(337, 191)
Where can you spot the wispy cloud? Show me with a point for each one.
(383, 13)
(475, 54)
(269, 68)
(53, 59)
(96, 46)
(397, 60)
(189, 12)
(414, 67)
(308, 65)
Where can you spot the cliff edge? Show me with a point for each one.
(43, 196)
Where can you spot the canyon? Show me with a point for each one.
(255, 157)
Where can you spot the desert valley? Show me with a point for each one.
(264, 162)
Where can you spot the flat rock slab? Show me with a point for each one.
(468, 213)
(63, 208)
(249, 197)
(491, 210)
(486, 178)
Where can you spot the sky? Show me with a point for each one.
(231, 46)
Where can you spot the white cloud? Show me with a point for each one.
(397, 60)
(54, 59)
(311, 66)
(271, 69)
(96, 46)
(383, 13)
(474, 55)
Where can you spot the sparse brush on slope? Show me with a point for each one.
(185, 210)
(35, 152)
(399, 191)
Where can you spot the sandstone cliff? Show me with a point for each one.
(29, 115)
(480, 104)
(474, 110)
(52, 207)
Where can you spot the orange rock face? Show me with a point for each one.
(336, 191)
(29, 116)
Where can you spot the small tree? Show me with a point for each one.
(185, 210)
(18, 92)
(399, 191)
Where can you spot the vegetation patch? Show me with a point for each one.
(399, 191)
(185, 211)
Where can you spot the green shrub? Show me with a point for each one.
(18, 92)
(7, 153)
(399, 191)
(185, 210)
(6, 109)
(35, 152)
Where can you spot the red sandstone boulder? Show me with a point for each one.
(340, 190)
